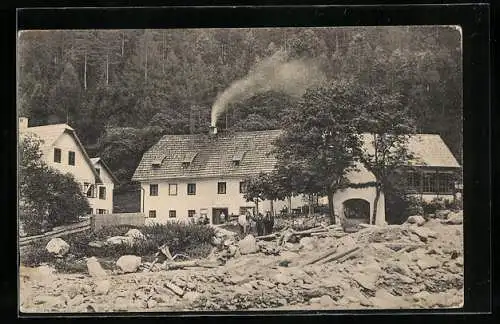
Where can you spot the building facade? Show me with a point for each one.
(62, 150)
(184, 175)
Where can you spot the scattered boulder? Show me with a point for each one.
(416, 219)
(424, 233)
(136, 234)
(216, 241)
(455, 218)
(57, 246)
(119, 240)
(102, 287)
(191, 296)
(129, 263)
(307, 243)
(248, 245)
(367, 280)
(94, 268)
(96, 244)
(326, 301)
(282, 279)
(442, 214)
(427, 263)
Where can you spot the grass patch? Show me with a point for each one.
(192, 240)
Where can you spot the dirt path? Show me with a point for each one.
(380, 275)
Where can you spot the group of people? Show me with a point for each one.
(263, 224)
(203, 220)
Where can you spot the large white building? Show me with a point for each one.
(63, 151)
(183, 175)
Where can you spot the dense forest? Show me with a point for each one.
(122, 89)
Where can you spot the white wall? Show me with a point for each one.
(107, 204)
(367, 194)
(206, 198)
(82, 171)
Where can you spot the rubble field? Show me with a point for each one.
(409, 266)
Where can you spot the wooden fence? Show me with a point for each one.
(99, 221)
(56, 232)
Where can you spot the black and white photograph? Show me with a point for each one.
(240, 169)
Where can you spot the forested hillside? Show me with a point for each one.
(121, 90)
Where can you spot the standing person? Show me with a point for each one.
(267, 221)
(196, 218)
(242, 221)
(205, 220)
(260, 224)
(271, 223)
(222, 217)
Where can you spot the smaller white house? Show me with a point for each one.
(104, 202)
(62, 150)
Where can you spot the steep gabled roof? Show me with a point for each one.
(215, 154)
(98, 160)
(49, 134)
(212, 156)
(428, 149)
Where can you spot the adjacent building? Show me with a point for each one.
(184, 175)
(62, 150)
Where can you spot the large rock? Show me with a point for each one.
(326, 301)
(455, 218)
(424, 233)
(248, 245)
(129, 263)
(94, 268)
(102, 287)
(282, 279)
(119, 240)
(416, 219)
(307, 243)
(442, 214)
(136, 234)
(57, 246)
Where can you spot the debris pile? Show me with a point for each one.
(396, 266)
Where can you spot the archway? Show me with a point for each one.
(357, 210)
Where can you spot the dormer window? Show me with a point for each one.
(188, 159)
(156, 163)
(237, 157)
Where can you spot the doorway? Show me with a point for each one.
(357, 210)
(216, 213)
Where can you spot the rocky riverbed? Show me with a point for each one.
(401, 266)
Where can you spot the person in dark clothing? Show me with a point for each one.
(260, 224)
(267, 223)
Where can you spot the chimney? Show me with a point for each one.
(213, 130)
(23, 123)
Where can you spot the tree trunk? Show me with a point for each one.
(85, 72)
(330, 207)
(309, 212)
(107, 69)
(256, 207)
(272, 207)
(378, 189)
(290, 205)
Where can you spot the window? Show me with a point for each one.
(445, 183)
(172, 213)
(89, 190)
(191, 189)
(191, 212)
(102, 192)
(221, 187)
(57, 155)
(413, 181)
(71, 158)
(243, 188)
(153, 190)
(102, 211)
(172, 189)
(430, 182)
(90, 211)
(152, 214)
(98, 171)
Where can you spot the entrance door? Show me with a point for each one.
(357, 210)
(216, 219)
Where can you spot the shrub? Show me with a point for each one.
(35, 254)
(48, 198)
(434, 205)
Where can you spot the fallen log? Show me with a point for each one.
(190, 263)
(176, 289)
(339, 255)
(265, 237)
(321, 257)
(310, 231)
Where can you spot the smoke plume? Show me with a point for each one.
(276, 73)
